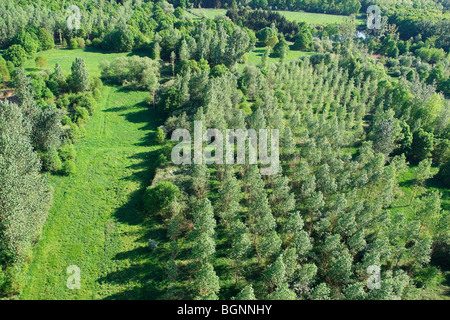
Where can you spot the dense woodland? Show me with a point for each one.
(354, 116)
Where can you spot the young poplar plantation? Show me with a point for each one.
(312, 230)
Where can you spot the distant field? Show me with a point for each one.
(65, 57)
(314, 18)
(207, 13)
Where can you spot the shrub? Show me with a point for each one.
(96, 83)
(53, 87)
(171, 99)
(73, 133)
(16, 54)
(47, 94)
(96, 94)
(81, 43)
(82, 132)
(88, 102)
(66, 120)
(245, 107)
(158, 198)
(67, 152)
(45, 39)
(41, 62)
(73, 44)
(281, 48)
(160, 136)
(63, 102)
(80, 115)
(97, 43)
(303, 42)
(69, 167)
(162, 160)
(441, 151)
(52, 162)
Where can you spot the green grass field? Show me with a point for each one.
(207, 13)
(313, 18)
(97, 221)
(254, 57)
(65, 57)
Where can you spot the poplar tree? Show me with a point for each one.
(282, 200)
(240, 245)
(227, 205)
(247, 293)
(276, 273)
(207, 282)
(80, 75)
(200, 177)
(422, 173)
(25, 194)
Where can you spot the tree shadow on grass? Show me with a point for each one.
(147, 269)
(33, 69)
(145, 277)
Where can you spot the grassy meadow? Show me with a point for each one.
(97, 221)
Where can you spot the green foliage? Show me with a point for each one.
(45, 39)
(218, 71)
(247, 293)
(73, 44)
(41, 62)
(422, 145)
(267, 36)
(206, 281)
(69, 167)
(25, 193)
(304, 41)
(67, 152)
(160, 135)
(16, 54)
(4, 72)
(335, 207)
(281, 48)
(171, 99)
(121, 39)
(158, 198)
(52, 162)
(80, 115)
(80, 76)
(96, 94)
(444, 173)
(136, 72)
(28, 40)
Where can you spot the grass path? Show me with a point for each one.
(96, 221)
